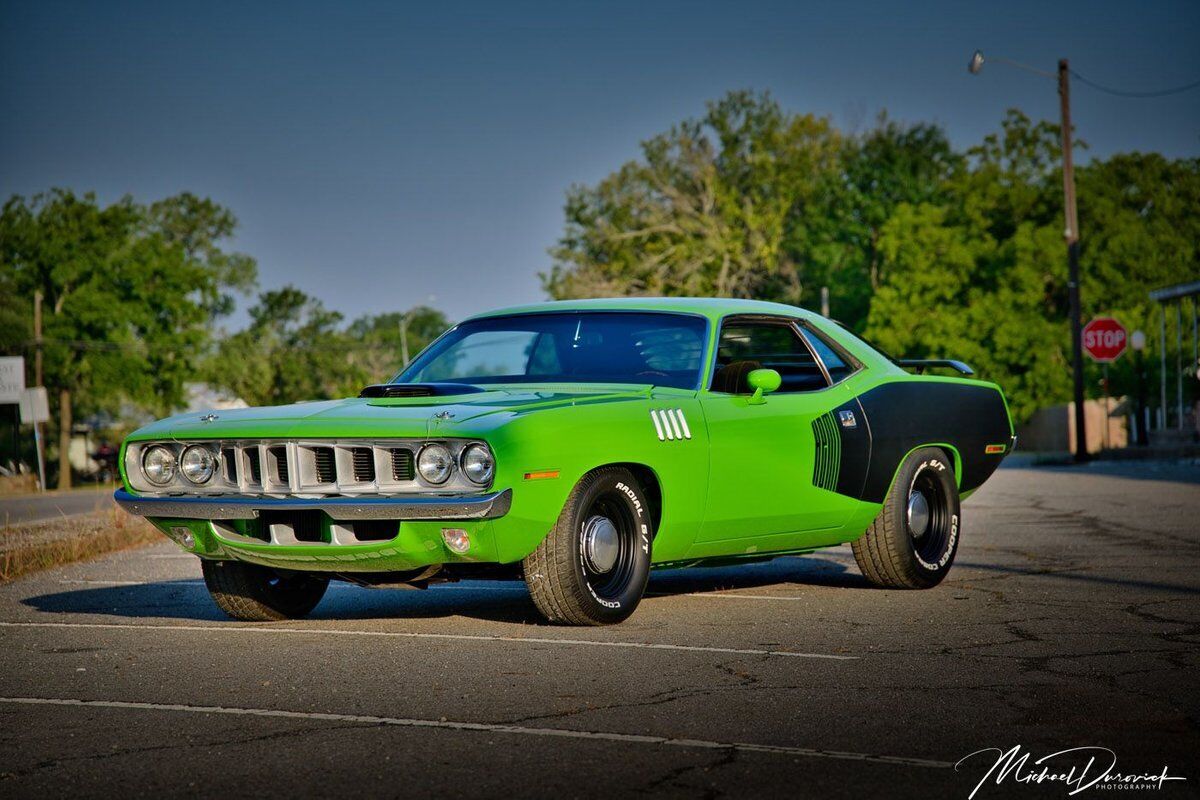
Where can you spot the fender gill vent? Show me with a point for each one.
(402, 464)
(827, 460)
(670, 424)
(255, 467)
(364, 464)
(279, 456)
(324, 464)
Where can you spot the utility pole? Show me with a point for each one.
(37, 338)
(404, 339)
(37, 381)
(1071, 233)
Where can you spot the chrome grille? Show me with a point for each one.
(402, 464)
(254, 465)
(364, 464)
(229, 464)
(310, 468)
(279, 464)
(323, 464)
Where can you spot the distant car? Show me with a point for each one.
(578, 445)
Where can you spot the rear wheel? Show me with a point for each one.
(593, 566)
(912, 543)
(258, 594)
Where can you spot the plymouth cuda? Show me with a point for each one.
(578, 445)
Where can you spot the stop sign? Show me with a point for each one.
(1104, 339)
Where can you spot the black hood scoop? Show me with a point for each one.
(418, 390)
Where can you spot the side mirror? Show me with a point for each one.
(762, 381)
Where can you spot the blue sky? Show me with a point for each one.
(378, 154)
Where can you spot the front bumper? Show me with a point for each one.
(473, 507)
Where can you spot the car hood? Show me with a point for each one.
(455, 415)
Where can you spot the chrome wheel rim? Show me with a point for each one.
(608, 545)
(928, 518)
(918, 514)
(601, 544)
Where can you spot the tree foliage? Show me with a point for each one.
(129, 293)
(706, 212)
(295, 349)
(927, 250)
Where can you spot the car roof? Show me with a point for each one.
(711, 307)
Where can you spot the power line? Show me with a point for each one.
(1123, 93)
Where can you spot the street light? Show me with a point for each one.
(1070, 232)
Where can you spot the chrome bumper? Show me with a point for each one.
(484, 506)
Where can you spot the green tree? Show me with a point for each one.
(981, 274)
(927, 250)
(879, 170)
(293, 350)
(128, 303)
(381, 340)
(705, 212)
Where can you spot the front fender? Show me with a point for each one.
(567, 443)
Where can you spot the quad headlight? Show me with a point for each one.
(159, 465)
(435, 463)
(198, 464)
(477, 463)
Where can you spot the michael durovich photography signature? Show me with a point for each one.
(1077, 769)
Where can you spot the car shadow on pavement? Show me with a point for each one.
(779, 573)
(496, 601)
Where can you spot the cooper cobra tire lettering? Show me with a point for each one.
(893, 555)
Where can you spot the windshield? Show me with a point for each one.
(569, 347)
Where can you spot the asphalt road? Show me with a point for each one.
(1070, 620)
(19, 509)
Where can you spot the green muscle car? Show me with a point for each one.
(577, 445)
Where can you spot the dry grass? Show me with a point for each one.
(44, 545)
(17, 484)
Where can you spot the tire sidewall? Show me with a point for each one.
(622, 483)
(934, 462)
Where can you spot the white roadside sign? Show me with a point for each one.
(35, 406)
(12, 378)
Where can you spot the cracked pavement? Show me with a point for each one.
(1071, 618)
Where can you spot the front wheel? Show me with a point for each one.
(592, 568)
(258, 594)
(912, 543)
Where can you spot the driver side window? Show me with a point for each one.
(747, 345)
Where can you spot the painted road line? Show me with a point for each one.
(484, 727)
(463, 637)
(731, 596)
(85, 582)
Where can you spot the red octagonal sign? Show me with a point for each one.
(1104, 339)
